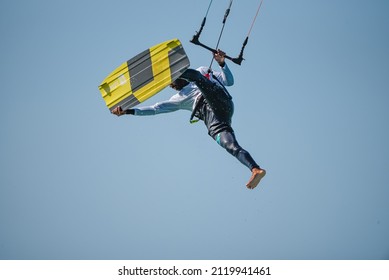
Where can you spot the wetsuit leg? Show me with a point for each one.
(217, 97)
(228, 141)
(222, 107)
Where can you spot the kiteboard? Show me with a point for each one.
(144, 75)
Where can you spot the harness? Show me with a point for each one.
(201, 98)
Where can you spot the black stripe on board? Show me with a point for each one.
(140, 70)
(178, 61)
(128, 103)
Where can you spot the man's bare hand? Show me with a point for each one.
(118, 111)
(220, 57)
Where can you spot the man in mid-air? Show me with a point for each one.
(204, 94)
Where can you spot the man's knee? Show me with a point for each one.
(191, 75)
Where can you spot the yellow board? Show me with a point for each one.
(144, 75)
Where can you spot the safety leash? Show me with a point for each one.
(221, 31)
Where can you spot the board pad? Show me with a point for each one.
(144, 75)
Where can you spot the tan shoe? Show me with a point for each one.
(256, 177)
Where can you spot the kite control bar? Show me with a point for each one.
(238, 60)
(195, 40)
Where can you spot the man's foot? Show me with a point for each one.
(256, 176)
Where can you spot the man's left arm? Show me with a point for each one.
(225, 75)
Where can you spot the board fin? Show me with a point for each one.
(144, 75)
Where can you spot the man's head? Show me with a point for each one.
(179, 84)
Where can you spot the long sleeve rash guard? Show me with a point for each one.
(186, 98)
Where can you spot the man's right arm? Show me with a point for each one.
(159, 108)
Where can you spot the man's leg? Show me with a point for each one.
(228, 141)
(217, 97)
(220, 102)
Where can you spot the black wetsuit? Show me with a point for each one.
(215, 108)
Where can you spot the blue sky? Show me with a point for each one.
(311, 106)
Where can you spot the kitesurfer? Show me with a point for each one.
(203, 92)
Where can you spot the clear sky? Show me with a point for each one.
(311, 106)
